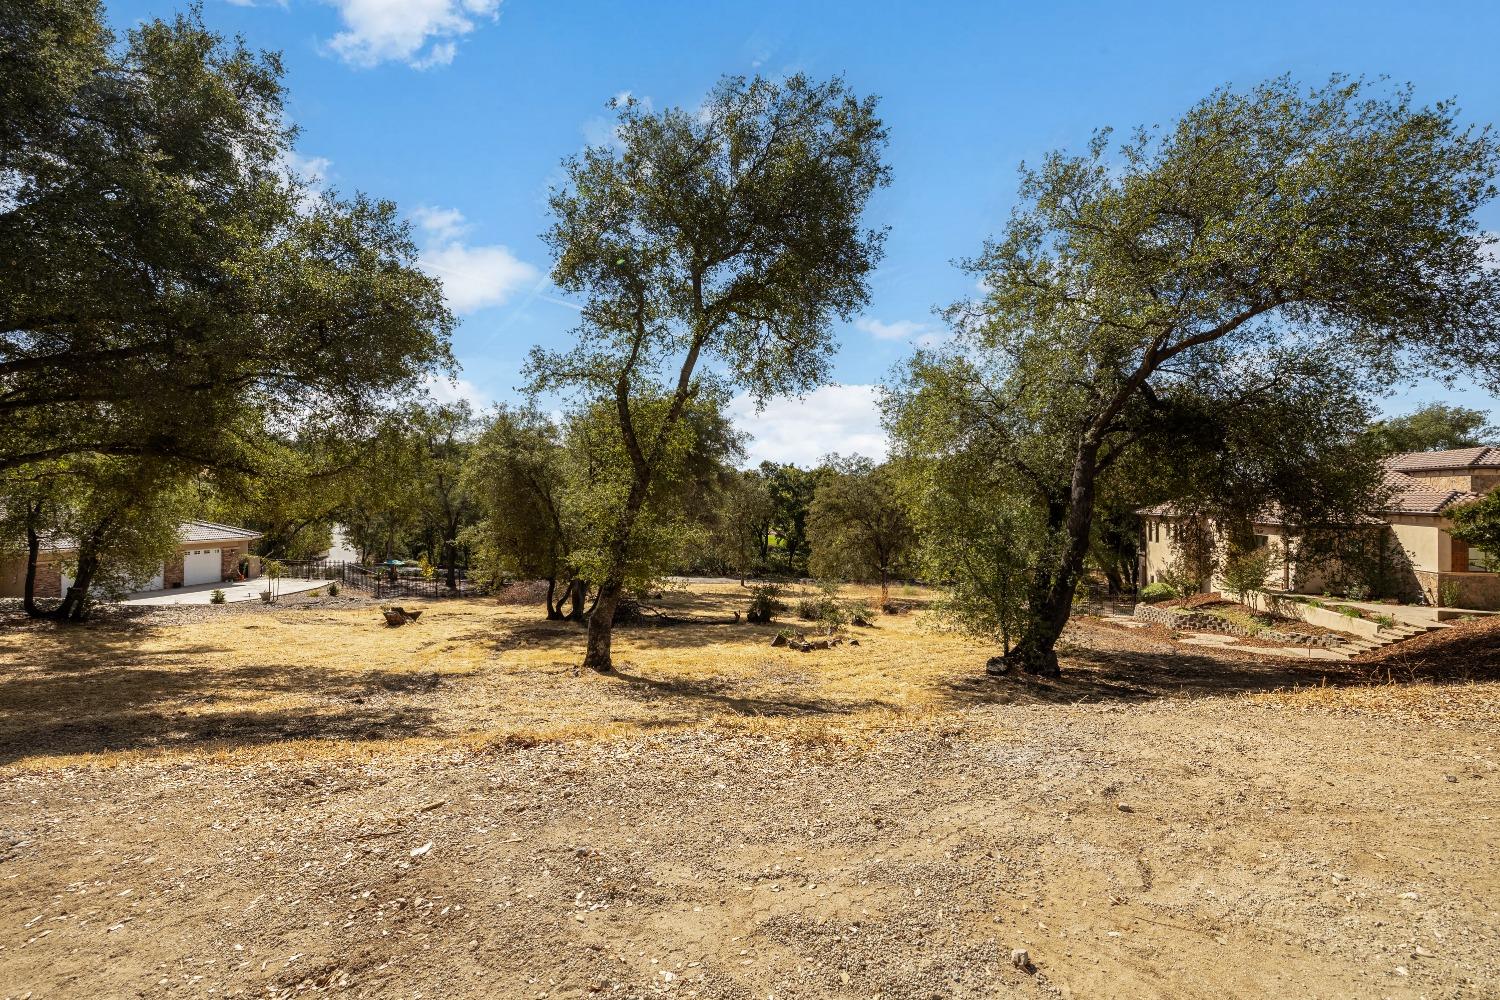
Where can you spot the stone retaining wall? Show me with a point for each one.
(1198, 621)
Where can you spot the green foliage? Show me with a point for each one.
(333, 589)
(217, 597)
(1245, 570)
(545, 496)
(735, 521)
(1152, 593)
(1478, 523)
(727, 234)
(791, 492)
(765, 603)
(857, 524)
(1219, 300)
(123, 516)
(181, 291)
(1434, 427)
(1448, 594)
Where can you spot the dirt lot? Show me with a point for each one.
(283, 802)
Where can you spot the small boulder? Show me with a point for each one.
(996, 666)
(1021, 959)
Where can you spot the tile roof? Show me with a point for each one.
(190, 532)
(208, 531)
(1410, 495)
(1483, 457)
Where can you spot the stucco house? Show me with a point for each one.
(1426, 563)
(207, 553)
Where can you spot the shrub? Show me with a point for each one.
(1386, 621)
(217, 597)
(826, 611)
(765, 603)
(265, 597)
(333, 589)
(1357, 592)
(1349, 612)
(1245, 572)
(1151, 593)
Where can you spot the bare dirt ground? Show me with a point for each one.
(290, 801)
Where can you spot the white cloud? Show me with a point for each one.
(445, 390)
(420, 33)
(473, 277)
(834, 418)
(440, 224)
(921, 334)
(311, 170)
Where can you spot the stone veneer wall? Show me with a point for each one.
(1198, 621)
(1479, 591)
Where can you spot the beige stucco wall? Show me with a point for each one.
(1422, 539)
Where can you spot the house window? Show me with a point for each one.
(1261, 541)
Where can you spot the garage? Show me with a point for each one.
(200, 566)
(158, 581)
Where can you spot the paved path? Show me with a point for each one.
(247, 591)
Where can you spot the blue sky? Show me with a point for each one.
(460, 111)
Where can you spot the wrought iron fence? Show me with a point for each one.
(382, 582)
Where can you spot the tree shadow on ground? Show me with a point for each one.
(718, 693)
(1156, 668)
(98, 702)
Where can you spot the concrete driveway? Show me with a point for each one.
(233, 592)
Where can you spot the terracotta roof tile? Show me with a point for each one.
(1482, 457)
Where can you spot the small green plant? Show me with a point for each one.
(1349, 612)
(1448, 594)
(1386, 621)
(1152, 593)
(333, 589)
(217, 597)
(765, 603)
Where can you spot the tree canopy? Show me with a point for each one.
(1434, 427)
(168, 286)
(858, 524)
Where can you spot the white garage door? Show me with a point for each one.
(201, 566)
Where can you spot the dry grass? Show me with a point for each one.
(292, 684)
(337, 684)
(286, 803)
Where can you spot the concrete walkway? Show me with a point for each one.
(233, 592)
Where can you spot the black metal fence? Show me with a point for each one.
(381, 582)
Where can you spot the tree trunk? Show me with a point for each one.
(452, 549)
(75, 602)
(1052, 587)
(885, 587)
(601, 628)
(554, 611)
(28, 592)
(577, 591)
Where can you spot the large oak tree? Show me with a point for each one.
(168, 287)
(713, 247)
(1221, 298)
